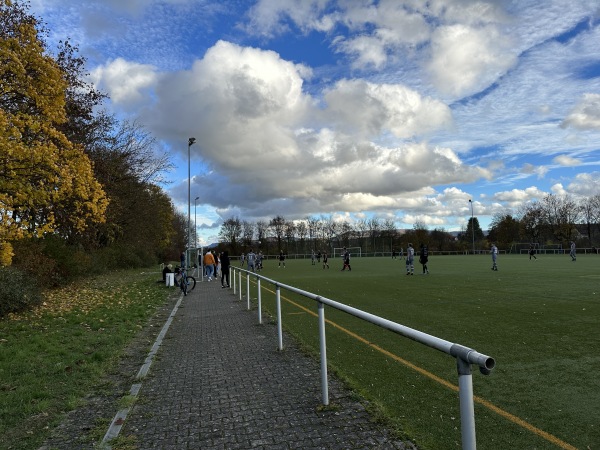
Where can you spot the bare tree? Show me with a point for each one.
(248, 229)
(362, 227)
(302, 230)
(262, 230)
(590, 214)
(231, 232)
(313, 228)
(277, 224)
(290, 234)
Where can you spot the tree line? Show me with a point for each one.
(555, 220)
(79, 188)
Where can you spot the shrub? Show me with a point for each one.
(18, 291)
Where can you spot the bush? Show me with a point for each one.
(18, 291)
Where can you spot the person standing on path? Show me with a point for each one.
(494, 252)
(410, 260)
(225, 263)
(209, 264)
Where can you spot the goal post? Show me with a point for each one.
(354, 251)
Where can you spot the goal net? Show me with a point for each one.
(354, 251)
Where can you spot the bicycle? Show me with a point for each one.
(186, 282)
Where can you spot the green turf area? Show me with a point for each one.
(538, 319)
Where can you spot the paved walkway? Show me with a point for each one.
(218, 382)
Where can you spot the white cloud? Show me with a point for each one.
(465, 60)
(127, 83)
(585, 184)
(585, 115)
(516, 197)
(274, 147)
(370, 109)
(566, 160)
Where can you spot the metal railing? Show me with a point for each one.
(465, 356)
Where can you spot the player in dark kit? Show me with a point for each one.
(423, 258)
(346, 260)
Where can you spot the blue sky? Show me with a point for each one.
(351, 108)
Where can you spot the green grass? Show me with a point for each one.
(538, 319)
(52, 357)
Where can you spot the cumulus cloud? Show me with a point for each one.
(465, 60)
(373, 108)
(585, 115)
(516, 197)
(585, 184)
(274, 147)
(566, 160)
(127, 83)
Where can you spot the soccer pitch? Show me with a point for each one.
(538, 319)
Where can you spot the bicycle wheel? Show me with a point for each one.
(191, 283)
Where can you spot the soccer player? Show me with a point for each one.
(346, 257)
(494, 252)
(410, 260)
(531, 252)
(573, 251)
(325, 263)
(423, 258)
(251, 260)
(281, 259)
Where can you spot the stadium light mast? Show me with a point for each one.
(472, 225)
(187, 258)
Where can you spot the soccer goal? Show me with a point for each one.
(354, 251)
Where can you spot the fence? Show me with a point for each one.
(465, 356)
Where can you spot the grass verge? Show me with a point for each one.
(54, 356)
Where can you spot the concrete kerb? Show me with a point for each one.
(117, 423)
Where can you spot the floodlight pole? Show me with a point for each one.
(472, 225)
(195, 223)
(187, 258)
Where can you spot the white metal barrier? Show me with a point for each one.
(465, 356)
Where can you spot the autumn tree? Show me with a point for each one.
(561, 213)
(45, 179)
(504, 230)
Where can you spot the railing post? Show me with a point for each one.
(240, 280)
(323, 348)
(467, 410)
(279, 327)
(248, 290)
(259, 300)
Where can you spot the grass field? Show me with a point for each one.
(538, 319)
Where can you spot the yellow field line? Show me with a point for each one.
(512, 418)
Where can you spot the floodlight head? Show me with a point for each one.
(191, 141)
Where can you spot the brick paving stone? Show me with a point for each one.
(219, 382)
